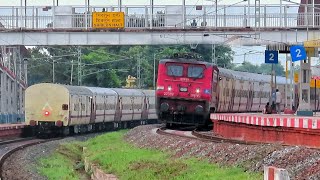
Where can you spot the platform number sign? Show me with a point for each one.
(271, 57)
(298, 53)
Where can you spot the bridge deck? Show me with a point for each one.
(240, 24)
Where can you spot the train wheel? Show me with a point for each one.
(169, 125)
(65, 131)
(207, 123)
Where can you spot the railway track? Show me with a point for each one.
(204, 136)
(208, 135)
(7, 148)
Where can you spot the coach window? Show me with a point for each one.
(195, 72)
(174, 70)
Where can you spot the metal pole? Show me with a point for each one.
(313, 13)
(79, 66)
(249, 13)
(154, 71)
(53, 14)
(57, 2)
(286, 87)
(138, 72)
(272, 73)
(86, 14)
(88, 5)
(21, 21)
(53, 70)
(315, 94)
(275, 79)
(151, 14)
(292, 88)
(25, 68)
(25, 13)
(71, 76)
(212, 59)
(280, 13)
(184, 13)
(214, 55)
(216, 18)
(119, 5)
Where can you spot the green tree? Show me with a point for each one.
(109, 66)
(263, 68)
(223, 54)
(266, 69)
(247, 67)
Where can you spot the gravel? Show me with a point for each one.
(301, 162)
(22, 164)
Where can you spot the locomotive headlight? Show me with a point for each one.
(169, 88)
(160, 87)
(198, 90)
(199, 109)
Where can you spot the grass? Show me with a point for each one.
(58, 167)
(64, 164)
(117, 157)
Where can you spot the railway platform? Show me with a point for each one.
(269, 128)
(11, 130)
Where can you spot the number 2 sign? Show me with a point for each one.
(271, 57)
(298, 53)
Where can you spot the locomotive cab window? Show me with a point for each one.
(195, 71)
(174, 70)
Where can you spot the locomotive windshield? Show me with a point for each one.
(174, 70)
(195, 72)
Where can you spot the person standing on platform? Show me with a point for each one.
(278, 101)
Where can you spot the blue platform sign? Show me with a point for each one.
(298, 53)
(271, 57)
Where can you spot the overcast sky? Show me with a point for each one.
(132, 2)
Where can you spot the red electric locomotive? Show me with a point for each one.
(186, 90)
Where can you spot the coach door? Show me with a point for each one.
(215, 89)
(118, 109)
(93, 109)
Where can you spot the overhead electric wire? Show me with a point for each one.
(121, 70)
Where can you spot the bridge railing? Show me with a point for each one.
(164, 17)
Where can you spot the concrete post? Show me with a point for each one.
(304, 84)
(273, 173)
